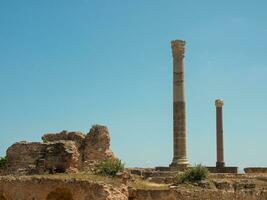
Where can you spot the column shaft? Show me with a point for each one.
(179, 107)
(219, 133)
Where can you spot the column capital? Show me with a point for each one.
(178, 48)
(219, 103)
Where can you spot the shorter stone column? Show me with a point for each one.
(219, 133)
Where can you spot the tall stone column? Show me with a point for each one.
(219, 133)
(179, 161)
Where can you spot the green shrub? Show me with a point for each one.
(109, 167)
(193, 174)
(3, 161)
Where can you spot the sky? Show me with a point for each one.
(67, 65)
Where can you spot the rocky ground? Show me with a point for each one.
(87, 186)
(64, 166)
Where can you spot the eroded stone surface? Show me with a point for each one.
(198, 194)
(24, 155)
(77, 137)
(179, 112)
(60, 152)
(69, 187)
(96, 144)
(256, 170)
(61, 156)
(41, 188)
(25, 158)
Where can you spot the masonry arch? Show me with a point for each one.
(60, 194)
(2, 197)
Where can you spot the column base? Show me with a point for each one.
(179, 165)
(220, 164)
(228, 170)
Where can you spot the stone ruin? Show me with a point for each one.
(60, 152)
(74, 151)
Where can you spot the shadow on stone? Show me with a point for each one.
(59, 194)
(2, 197)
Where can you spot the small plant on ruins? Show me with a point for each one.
(194, 174)
(109, 167)
(3, 161)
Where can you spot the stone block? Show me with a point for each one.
(22, 155)
(233, 170)
(255, 170)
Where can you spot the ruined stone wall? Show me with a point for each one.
(61, 156)
(233, 170)
(256, 170)
(28, 158)
(200, 194)
(96, 144)
(76, 136)
(26, 188)
(22, 155)
(53, 188)
(60, 152)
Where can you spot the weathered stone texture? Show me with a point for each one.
(197, 194)
(223, 169)
(61, 156)
(37, 157)
(29, 188)
(23, 155)
(77, 137)
(179, 113)
(219, 133)
(256, 170)
(60, 152)
(96, 144)
(48, 187)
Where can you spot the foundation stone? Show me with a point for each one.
(256, 170)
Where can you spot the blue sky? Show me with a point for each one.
(70, 64)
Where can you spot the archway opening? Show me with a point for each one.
(2, 197)
(59, 194)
